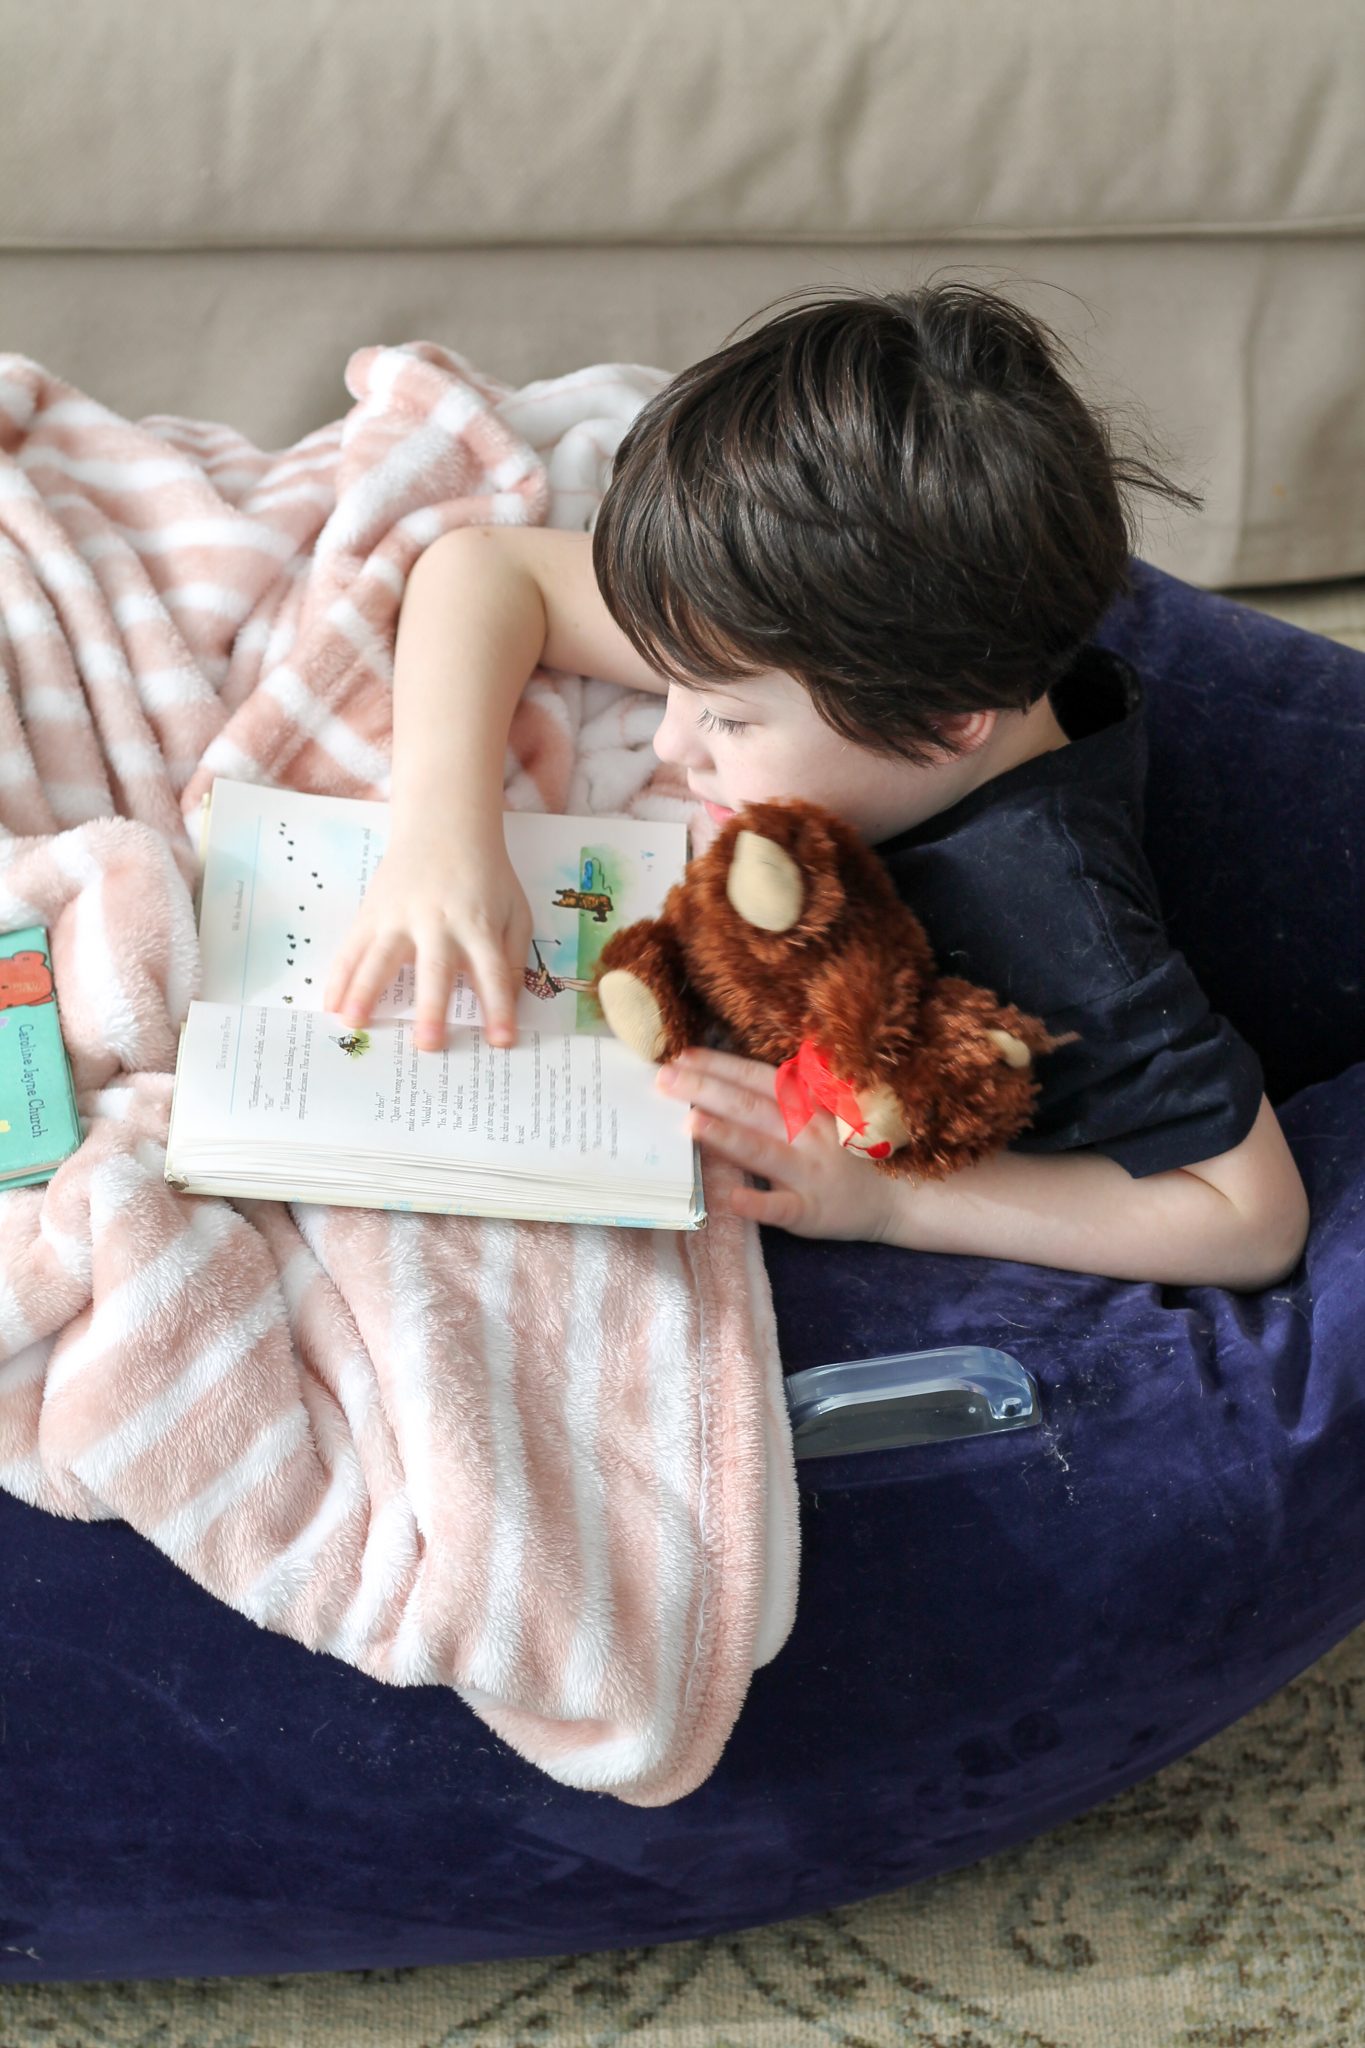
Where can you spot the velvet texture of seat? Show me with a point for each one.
(992, 1635)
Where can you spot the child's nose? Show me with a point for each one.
(678, 738)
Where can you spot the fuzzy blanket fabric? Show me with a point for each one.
(547, 1467)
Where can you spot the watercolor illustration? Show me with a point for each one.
(595, 893)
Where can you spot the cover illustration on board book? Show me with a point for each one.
(39, 1126)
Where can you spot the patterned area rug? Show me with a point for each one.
(1219, 1905)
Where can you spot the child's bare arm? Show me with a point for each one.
(1237, 1221)
(484, 606)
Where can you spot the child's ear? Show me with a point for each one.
(965, 732)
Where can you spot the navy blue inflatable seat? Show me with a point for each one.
(993, 1634)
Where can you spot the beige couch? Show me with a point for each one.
(203, 209)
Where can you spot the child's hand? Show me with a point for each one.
(451, 905)
(817, 1189)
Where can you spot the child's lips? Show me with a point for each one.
(717, 813)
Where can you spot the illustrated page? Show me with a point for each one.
(571, 1105)
(284, 874)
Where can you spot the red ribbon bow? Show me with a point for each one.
(806, 1082)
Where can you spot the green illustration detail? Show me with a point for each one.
(353, 1043)
(602, 885)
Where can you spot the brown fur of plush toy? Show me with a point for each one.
(788, 929)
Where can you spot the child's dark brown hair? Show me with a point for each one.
(899, 500)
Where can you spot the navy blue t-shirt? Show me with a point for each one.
(1035, 885)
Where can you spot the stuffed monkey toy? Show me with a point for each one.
(788, 934)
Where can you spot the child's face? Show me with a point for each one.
(751, 741)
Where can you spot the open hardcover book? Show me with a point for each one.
(276, 1099)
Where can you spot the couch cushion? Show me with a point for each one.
(447, 121)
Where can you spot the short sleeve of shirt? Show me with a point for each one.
(1036, 886)
(1155, 1079)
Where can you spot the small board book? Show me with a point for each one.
(276, 1099)
(39, 1127)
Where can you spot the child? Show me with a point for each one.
(863, 549)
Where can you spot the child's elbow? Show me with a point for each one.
(1273, 1242)
(1262, 1240)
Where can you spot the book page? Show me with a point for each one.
(284, 874)
(293, 1079)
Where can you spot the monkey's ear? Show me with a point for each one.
(764, 884)
(1012, 1050)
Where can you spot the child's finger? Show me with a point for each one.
(373, 973)
(495, 989)
(769, 1158)
(728, 1066)
(343, 965)
(434, 981)
(726, 1098)
(780, 1206)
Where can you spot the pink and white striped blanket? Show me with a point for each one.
(547, 1467)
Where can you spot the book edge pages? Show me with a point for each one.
(173, 1179)
(230, 1188)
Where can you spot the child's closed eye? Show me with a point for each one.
(709, 721)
